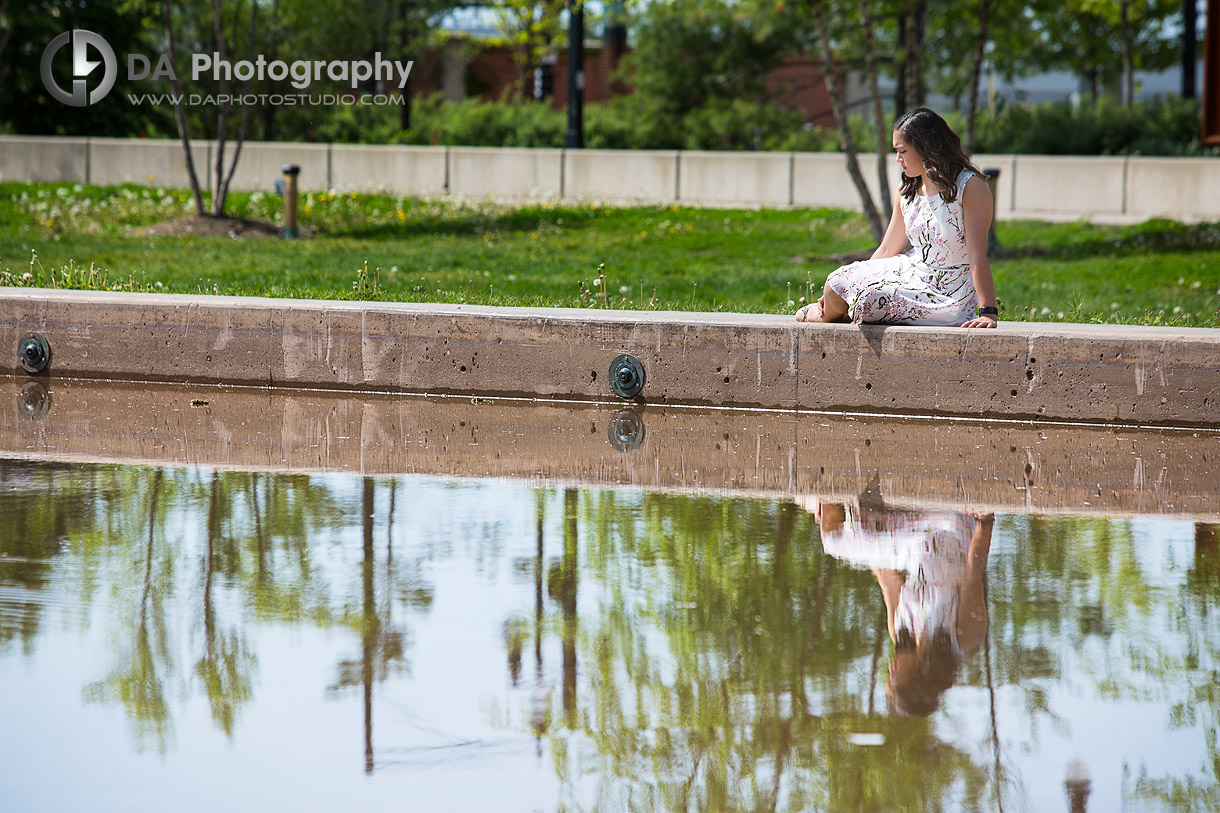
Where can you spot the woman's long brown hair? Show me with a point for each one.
(941, 149)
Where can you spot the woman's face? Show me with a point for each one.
(910, 161)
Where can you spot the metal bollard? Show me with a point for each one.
(993, 179)
(290, 231)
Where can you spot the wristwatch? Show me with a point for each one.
(989, 311)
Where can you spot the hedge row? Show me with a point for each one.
(1168, 126)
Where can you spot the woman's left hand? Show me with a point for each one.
(985, 320)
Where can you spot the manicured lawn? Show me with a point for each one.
(662, 257)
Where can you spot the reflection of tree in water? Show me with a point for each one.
(139, 681)
(255, 533)
(382, 643)
(768, 661)
(226, 666)
(45, 506)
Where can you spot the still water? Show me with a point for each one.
(208, 639)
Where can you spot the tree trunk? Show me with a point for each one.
(268, 110)
(1128, 92)
(980, 48)
(830, 72)
(222, 192)
(883, 143)
(222, 116)
(179, 116)
(404, 111)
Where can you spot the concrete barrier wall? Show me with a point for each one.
(1039, 371)
(487, 172)
(24, 158)
(1172, 187)
(262, 163)
(821, 179)
(1063, 185)
(736, 179)
(396, 170)
(148, 162)
(1106, 189)
(638, 176)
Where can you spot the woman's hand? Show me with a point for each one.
(986, 320)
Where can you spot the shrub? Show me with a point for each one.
(1167, 126)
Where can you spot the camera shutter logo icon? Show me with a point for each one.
(82, 67)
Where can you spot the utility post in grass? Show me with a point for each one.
(576, 75)
(1211, 76)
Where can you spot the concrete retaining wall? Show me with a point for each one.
(634, 176)
(975, 466)
(1046, 187)
(1094, 373)
(403, 171)
(482, 172)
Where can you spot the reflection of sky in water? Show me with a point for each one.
(451, 732)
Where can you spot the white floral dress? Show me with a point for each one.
(932, 551)
(930, 284)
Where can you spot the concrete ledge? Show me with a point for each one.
(629, 176)
(398, 170)
(1092, 373)
(147, 161)
(261, 164)
(1063, 185)
(975, 466)
(481, 172)
(48, 158)
(735, 179)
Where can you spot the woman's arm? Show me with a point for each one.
(976, 209)
(895, 240)
(972, 607)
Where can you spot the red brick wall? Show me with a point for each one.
(492, 74)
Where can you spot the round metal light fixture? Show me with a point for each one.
(626, 431)
(34, 401)
(626, 376)
(34, 352)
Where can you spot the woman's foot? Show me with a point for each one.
(813, 312)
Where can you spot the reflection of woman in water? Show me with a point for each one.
(930, 566)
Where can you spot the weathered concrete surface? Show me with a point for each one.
(1093, 373)
(635, 176)
(975, 465)
(480, 172)
(736, 179)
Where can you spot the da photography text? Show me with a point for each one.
(300, 73)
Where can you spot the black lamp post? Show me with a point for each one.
(576, 74)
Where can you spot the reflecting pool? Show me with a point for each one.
(208, 639)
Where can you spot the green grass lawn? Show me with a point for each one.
(673, 258)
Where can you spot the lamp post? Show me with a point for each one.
(576, 75)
